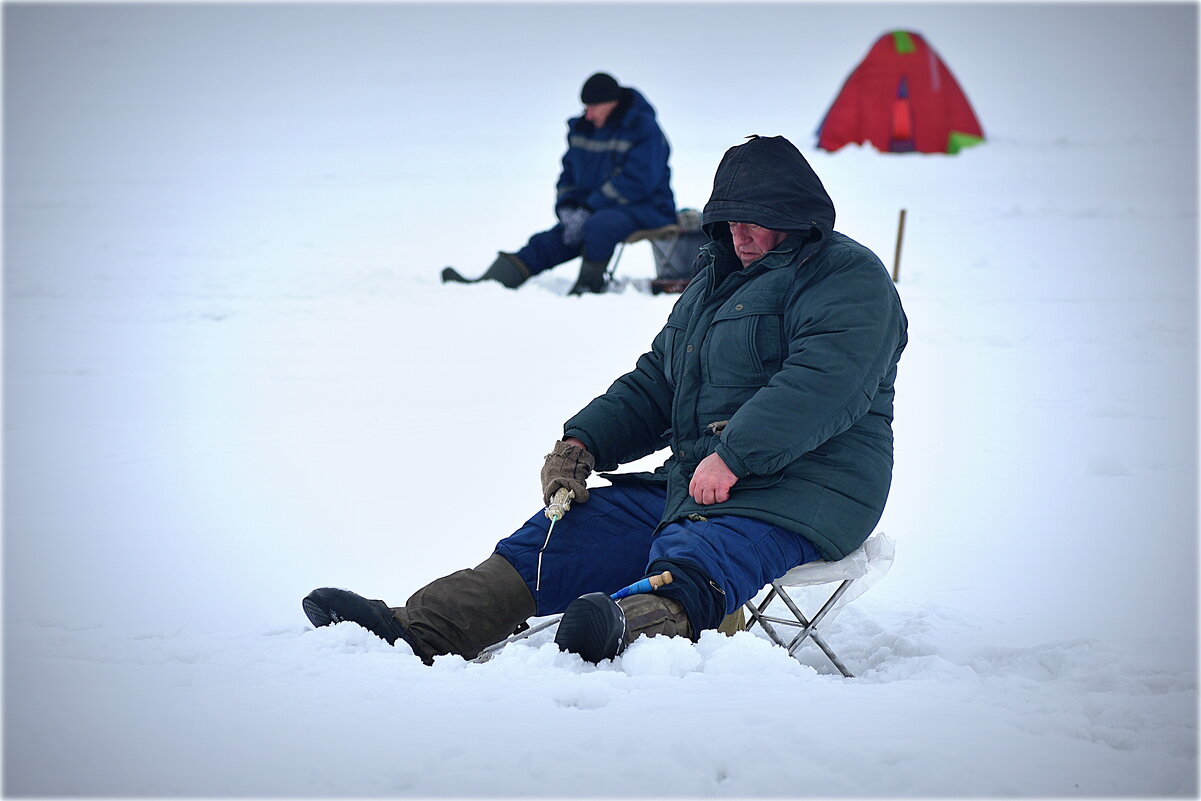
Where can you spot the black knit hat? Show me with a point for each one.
(600, 88)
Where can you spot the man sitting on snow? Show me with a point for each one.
(615, 181)
(772, 383)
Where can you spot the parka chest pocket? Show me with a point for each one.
(745, 345)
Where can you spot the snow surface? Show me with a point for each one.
(231, 376)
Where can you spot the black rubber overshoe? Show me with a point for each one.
(592, 278)
(507, 269)
(452, 276)
(593, 627)
(330, 605)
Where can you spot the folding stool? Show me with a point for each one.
(853, 574)
(663, 244)
(674, 247)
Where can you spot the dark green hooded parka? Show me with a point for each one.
(796, 354)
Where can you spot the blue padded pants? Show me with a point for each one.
(602, 232)
(611, 541)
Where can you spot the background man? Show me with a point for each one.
(615, 180)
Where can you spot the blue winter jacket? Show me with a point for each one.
(796, 353)
(623, 164)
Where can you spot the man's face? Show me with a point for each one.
(598, 113)
(752, 241)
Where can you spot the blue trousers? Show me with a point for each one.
(613, 540)
(603, 230)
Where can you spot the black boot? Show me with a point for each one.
(507, 269)
(592, 277)
(330, 605)
(468, 610)
(597, 628)
(592, 626)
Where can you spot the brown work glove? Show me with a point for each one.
(567, 466)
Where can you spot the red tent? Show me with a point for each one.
(901, 98)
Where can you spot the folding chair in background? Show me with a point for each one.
(674, 247)
(853, 575)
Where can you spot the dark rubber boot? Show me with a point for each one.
(330, 605)
(507, 269)
(468, 610)
(594, 627)
(592, 277)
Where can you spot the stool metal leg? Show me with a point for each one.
(808, 627)
(758, 616)
(612, 270)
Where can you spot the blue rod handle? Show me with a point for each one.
(648, 584)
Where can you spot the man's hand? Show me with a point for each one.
(573, 219)
(568, 465)
(712, 481)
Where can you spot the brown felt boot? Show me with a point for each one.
(733, 623)
(468, 610)
(650, 615)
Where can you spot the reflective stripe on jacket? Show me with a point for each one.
(623, 164)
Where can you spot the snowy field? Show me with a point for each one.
(231, 375)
